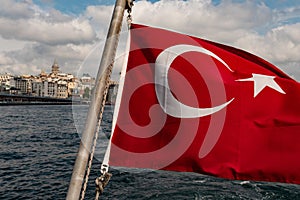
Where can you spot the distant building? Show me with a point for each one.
(37, 87)
(56, 84)
(62, 89)
(5, 77)
(23, 84)
(55, 68)
(43, 74)
(112, 92)
(86, 86)
(72, 87)
(50, 88)
(5, 81)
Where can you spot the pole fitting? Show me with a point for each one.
(102, 181)
(128, 7)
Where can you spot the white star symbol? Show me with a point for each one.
(262, 81)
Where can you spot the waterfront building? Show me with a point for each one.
(6, 81)
(43, 74)
(72, 87)
(55, 84)
(6, 77)
(86, 86)
(37, 87)
(112, 92)
(50, 88)
(23, 84)
(62, 89)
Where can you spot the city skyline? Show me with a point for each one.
(55, 84)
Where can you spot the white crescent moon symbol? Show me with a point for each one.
(167, 101)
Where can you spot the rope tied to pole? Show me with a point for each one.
(95, 138)
(101, 182)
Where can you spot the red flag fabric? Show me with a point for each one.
(190, 104)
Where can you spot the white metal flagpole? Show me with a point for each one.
(98, 99)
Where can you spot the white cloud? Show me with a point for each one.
(50, 34)
(280, 45)
(69, 57)
(25, 21)
(10, 45)
(16, 10)
(5, 60)
(20, 69)
(99, 17)
(31, 38)
(75, 31)
(224, 22)
(249, 26)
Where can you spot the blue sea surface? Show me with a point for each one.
(38, 146)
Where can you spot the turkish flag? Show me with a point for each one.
(189, 104)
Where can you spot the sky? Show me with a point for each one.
(34, 33)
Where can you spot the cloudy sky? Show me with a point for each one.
(35, 32)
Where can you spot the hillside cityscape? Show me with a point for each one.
(55, 84)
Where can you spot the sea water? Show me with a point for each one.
(38, 146)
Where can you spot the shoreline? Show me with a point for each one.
(16, 100)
